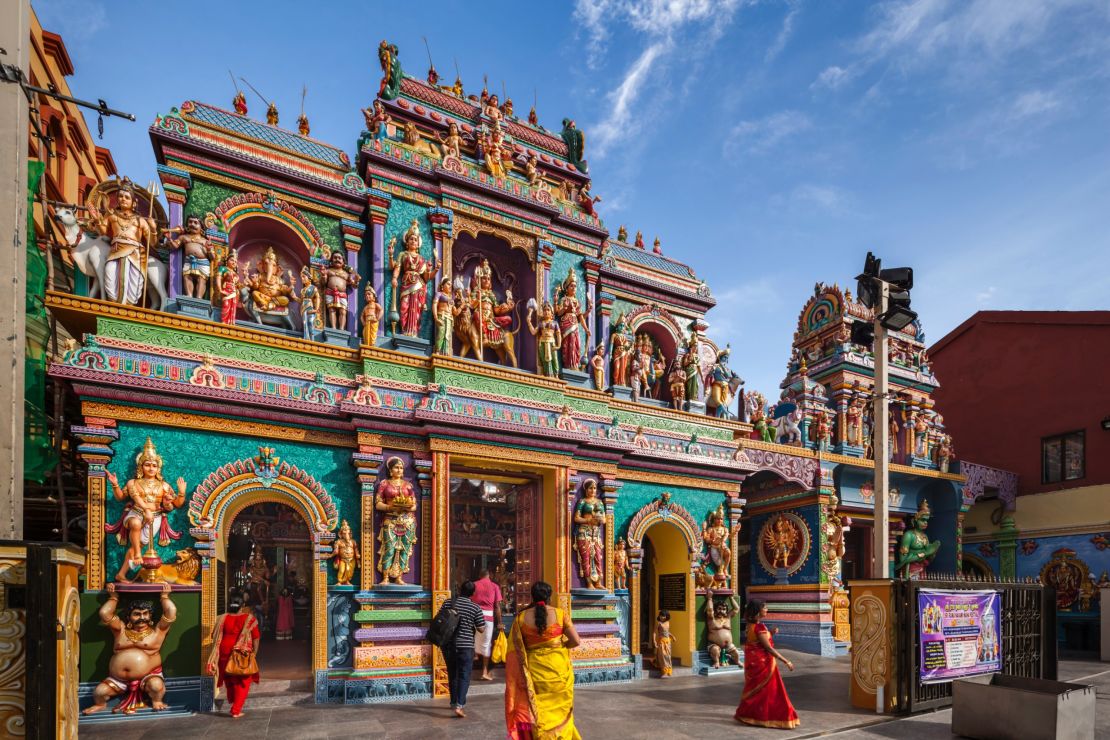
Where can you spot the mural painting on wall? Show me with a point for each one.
(784, 544)
(144, 518)
(589, 536)
(1070, 576)
(396, 500)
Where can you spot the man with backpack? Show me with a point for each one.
(452, 631)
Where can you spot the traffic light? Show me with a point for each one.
(898, 314)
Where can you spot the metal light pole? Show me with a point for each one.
(880, 560)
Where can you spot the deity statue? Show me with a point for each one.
(272, 115)
(834, 544)
(915, 552)
(576, 145)
(639, 242)
(498, 155)
(921, 435)
(548, 339)
(310, 304)
(371, 316)
(676, 380)
(396, 499)
(377, 120)
(854, 425)
(135, 668)
(780, 539)
(260, 573)
(622, 234)
(507, 108)
(131, 236)
(944, 452)
(715, 535)
(346, 555)
(892, 426)
(620, 351)
(412, 272)
(636, 376)
(492, 108)
(571, 317)
(822, 430)
(657, 373)
(149, 499)
(691, 365)
(228, 282)
(339, 278)
(444, 310)
(723, 383)
(451, 145)
(718, 623)
(621, 568)
(657, 247)
(586, 201)
(239, 102)
(589, 542)
(391, 71)
(197, 252)
(302, 125)
(531, 171)
(410, 133)
(270, 291)
(533, 119)
(597, 367)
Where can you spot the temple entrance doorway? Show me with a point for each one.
(664, 584)
(270, 560)
(856, 563)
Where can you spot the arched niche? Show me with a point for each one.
(252, 235)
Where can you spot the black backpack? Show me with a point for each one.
(441, 632)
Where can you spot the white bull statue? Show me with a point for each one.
(90, 255)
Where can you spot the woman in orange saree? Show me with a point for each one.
(539, 680)
(764, 702)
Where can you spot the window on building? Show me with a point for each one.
(1062, 457)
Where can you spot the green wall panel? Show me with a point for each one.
(634, 495)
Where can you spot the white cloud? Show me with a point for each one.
(828, 198)
(785, 32)
(762, 135)
(832, 78)
(616, 124)
(1035, 103)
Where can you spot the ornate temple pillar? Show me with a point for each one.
(425, 481)
(610, 491)
(604, 316)
(564, 503)
(544, 255)
(440, 577)
(368, 462)
(635, 563)
(353, 233)
(176, 185)
(95, 448)
(1007, 548)
(378, 202)
(442, 220)
(840, 398)
(592, 268)
(735, 511)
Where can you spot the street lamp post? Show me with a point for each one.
(880, 561)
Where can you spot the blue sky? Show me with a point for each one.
(770, 144)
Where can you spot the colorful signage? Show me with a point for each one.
(959, 633)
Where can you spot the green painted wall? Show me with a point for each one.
(194, 455)
(180, 651)
(401, 214)
(561, 262)
(205, 196)
(634, 495)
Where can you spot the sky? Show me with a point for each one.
(768, 143)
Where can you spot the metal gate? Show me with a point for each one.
(1027, 626)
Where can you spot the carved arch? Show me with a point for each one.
(664, 510)
(463, 224)
(266, 205)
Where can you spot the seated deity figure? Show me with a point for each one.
(149, 499)
(270, 291)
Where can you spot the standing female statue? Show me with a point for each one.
(589, 543)
(571, 316)
(411, 273)
(396, 499)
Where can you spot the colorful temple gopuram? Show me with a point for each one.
(354, 381)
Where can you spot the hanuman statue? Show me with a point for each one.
(396, 499)
(915, 552)
(149, 499)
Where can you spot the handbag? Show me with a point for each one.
(242, 661)
(500, 648)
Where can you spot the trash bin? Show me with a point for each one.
(1001, 707)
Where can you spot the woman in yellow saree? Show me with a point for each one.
(539, 679)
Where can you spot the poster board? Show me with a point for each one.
(958, 634)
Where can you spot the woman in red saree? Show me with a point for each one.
(539, 680)
(764, 702)
(235, 630)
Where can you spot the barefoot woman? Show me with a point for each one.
(764, 702)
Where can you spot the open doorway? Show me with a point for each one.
(270, 559)
(856, 563)
(666, 584)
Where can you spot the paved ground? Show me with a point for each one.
(682, 707)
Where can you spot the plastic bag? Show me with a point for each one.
(500, 648)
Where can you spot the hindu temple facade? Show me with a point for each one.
(435, 355)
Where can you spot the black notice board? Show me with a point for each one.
(672, 592)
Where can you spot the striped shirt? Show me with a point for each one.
(470, 619)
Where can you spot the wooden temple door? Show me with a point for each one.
(527, 546)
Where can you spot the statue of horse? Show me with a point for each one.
(466, 331)
(90, 255)
(720, 395)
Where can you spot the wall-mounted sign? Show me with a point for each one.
(672, 592)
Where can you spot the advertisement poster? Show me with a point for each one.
(959, 634)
